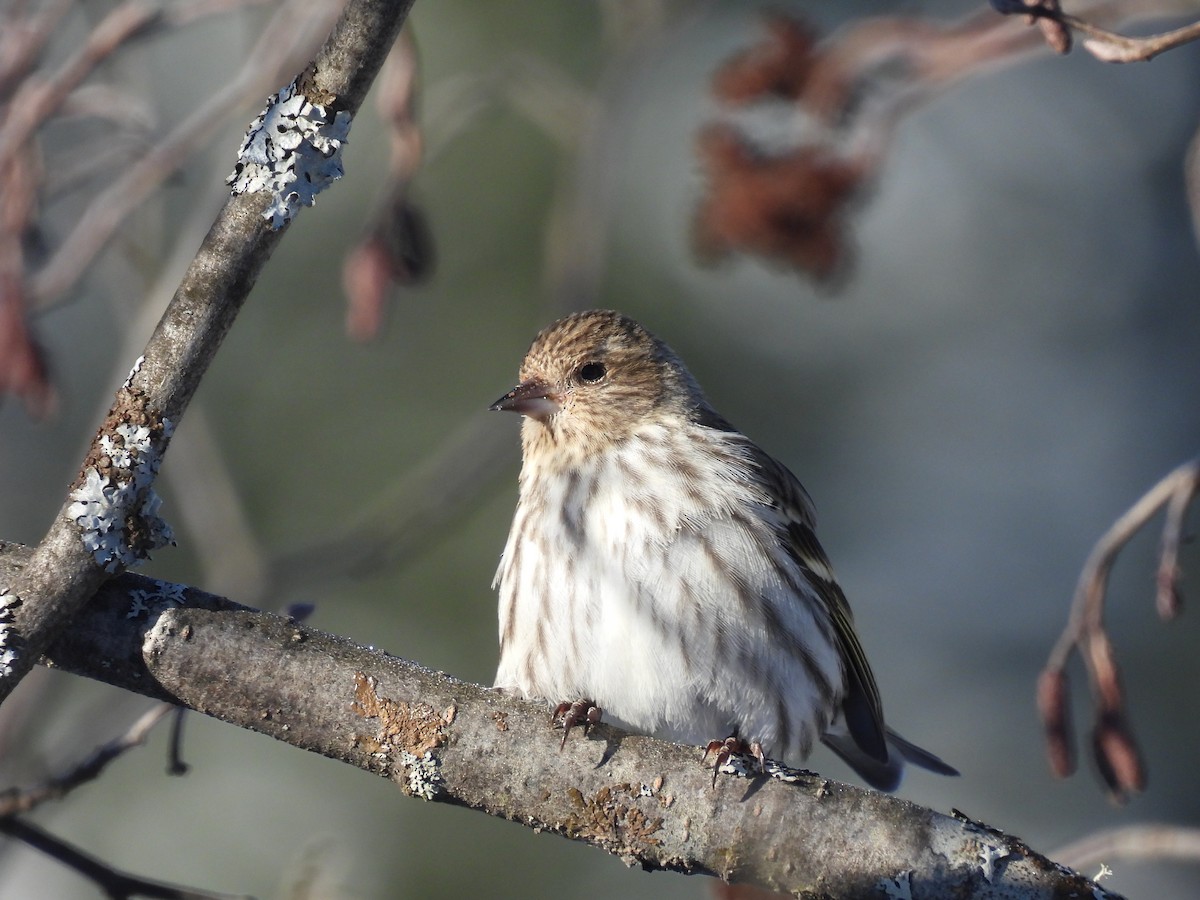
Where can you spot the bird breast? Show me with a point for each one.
(652, 580)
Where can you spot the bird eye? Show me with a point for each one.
(590, 373)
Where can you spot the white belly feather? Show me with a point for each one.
(675, 611)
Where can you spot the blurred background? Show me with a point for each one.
(1004, 359)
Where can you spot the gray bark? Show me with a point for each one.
(649, 802)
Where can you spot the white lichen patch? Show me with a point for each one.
(8, 633)
(748, 767)
(162, 596)
(137, 367)
(104, 504)
(989, 856)
(424, 779)
(293, 151)
(8, 658)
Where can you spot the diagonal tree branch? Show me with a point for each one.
(63, 572)
(646, 801)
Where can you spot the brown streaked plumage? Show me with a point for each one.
(663, 566)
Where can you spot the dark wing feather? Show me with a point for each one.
(862, 709)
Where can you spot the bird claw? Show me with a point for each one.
(581, 712)
(734, 746)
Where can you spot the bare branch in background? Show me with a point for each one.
(406, 516)
(115, 884)
(1132, 842)
(782, 185)
(15, 801)
(30, 99)
(1192, 179)
(397, 248)
(1105, 45)
(211, 510)
(288, 39)
(23, 39)
(1113, 744)
(646, 801)
(38, 99)
(23, 369)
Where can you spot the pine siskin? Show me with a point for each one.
(664, 567)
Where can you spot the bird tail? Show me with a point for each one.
(885, 776)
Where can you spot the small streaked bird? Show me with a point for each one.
(664, 569)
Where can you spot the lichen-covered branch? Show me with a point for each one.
(110, 512)
(646, 801)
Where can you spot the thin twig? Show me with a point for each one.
(37, 99)
(1187, 483)
(285, 37)
(1114, 747)
(23, 800)
(1087, 608)
(115, 884)
(409, 514)
(1102, 43)
(23, 43)
(175, 763)
(1133, 842)
(1108, 46)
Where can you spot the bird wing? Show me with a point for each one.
(862, 709)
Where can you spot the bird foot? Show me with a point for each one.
(581, 712)
(734, 746)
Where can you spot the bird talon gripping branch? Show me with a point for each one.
(581, 712)
(730, 747)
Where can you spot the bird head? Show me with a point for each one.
(595, 377)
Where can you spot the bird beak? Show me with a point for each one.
(532, 398)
